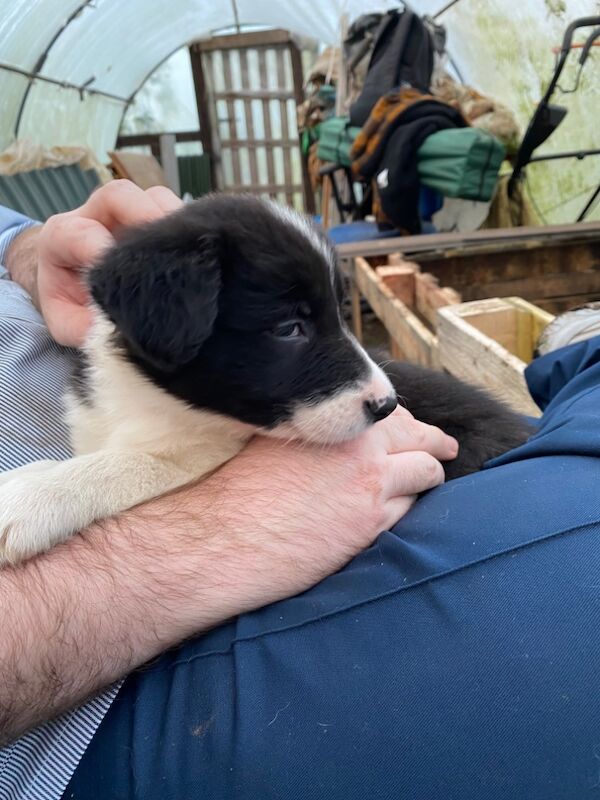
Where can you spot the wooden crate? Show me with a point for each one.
(555, 267)
(406, 301)
(489, 343)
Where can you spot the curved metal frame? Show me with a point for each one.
(41, 61)
(531, 140)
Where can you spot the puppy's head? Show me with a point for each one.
(232, 304)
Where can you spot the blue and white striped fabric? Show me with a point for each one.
(34, 371)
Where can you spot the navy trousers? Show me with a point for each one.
(458, 658)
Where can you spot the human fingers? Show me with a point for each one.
(68, 322)
(121, 203)
(408, 474)
(69, 241)
(165, 198)
(403, 433)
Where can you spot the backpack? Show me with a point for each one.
(404, 48)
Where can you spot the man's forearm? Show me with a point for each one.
(85, 614)
(272, 522)
(21, 261)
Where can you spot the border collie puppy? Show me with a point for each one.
(210, 325)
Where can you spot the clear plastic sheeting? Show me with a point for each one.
(112, 46)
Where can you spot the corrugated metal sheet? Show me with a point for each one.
(194, 174)
(43, 192)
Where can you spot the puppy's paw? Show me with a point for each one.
(36, 513)
(35, 468)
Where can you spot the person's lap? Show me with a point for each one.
(456, 658)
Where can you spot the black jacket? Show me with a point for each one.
(399, 196)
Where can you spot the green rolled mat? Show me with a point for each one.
(461, 162)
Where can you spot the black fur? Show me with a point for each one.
(198, 298)
(80, 384)
(484, 427)
(204, 300)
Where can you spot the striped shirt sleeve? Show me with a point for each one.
(34, 372)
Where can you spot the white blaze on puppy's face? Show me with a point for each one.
(344, 414)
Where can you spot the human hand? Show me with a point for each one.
(285, 516)
(69, 243)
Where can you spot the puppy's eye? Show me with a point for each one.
(289, 330)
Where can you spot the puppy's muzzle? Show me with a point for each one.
(376, 410)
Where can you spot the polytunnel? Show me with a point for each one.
(69, 70)
(240, 559)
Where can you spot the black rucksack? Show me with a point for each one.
(403, 54)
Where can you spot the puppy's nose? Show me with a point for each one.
(380, 409)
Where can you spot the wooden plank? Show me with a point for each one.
(398, 260)
(429, 296)
(356, 311)
(326, 202)
(532, 322)
(439, 245)
(210, 72)
(558, 305)
(467, 272)
(134, 139)
(204, 114)
(251, 144)
(471, 355)
(143, 170)
(400, 281)
(413, 338)
(285, 127)
(552, 285)
(498, 321)
(298, 81)
(259, 143)
(342, 68)
(395, 351)
(237, 41)
(168, 160)
(231, 114)
(270, 188)
(253, 94)
(262, 67)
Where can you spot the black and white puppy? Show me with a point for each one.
(210, 325)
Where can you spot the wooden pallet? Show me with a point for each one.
(406, 302)
(486, 342)
(489, 343)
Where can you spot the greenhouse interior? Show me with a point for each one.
(300, 399)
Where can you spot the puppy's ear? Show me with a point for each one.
(163, 300)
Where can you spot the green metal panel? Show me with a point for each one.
(194, 174)
(40, 193)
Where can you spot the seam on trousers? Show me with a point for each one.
(375, 598)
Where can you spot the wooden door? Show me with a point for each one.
(248, 86)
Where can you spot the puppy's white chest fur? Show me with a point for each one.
(129, 412)
(132, 442)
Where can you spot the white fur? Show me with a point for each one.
(302, 225)
(135, 442)
(340, 417)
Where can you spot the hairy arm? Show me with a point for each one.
(21, 262)
(83, 615)
(103, 603)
